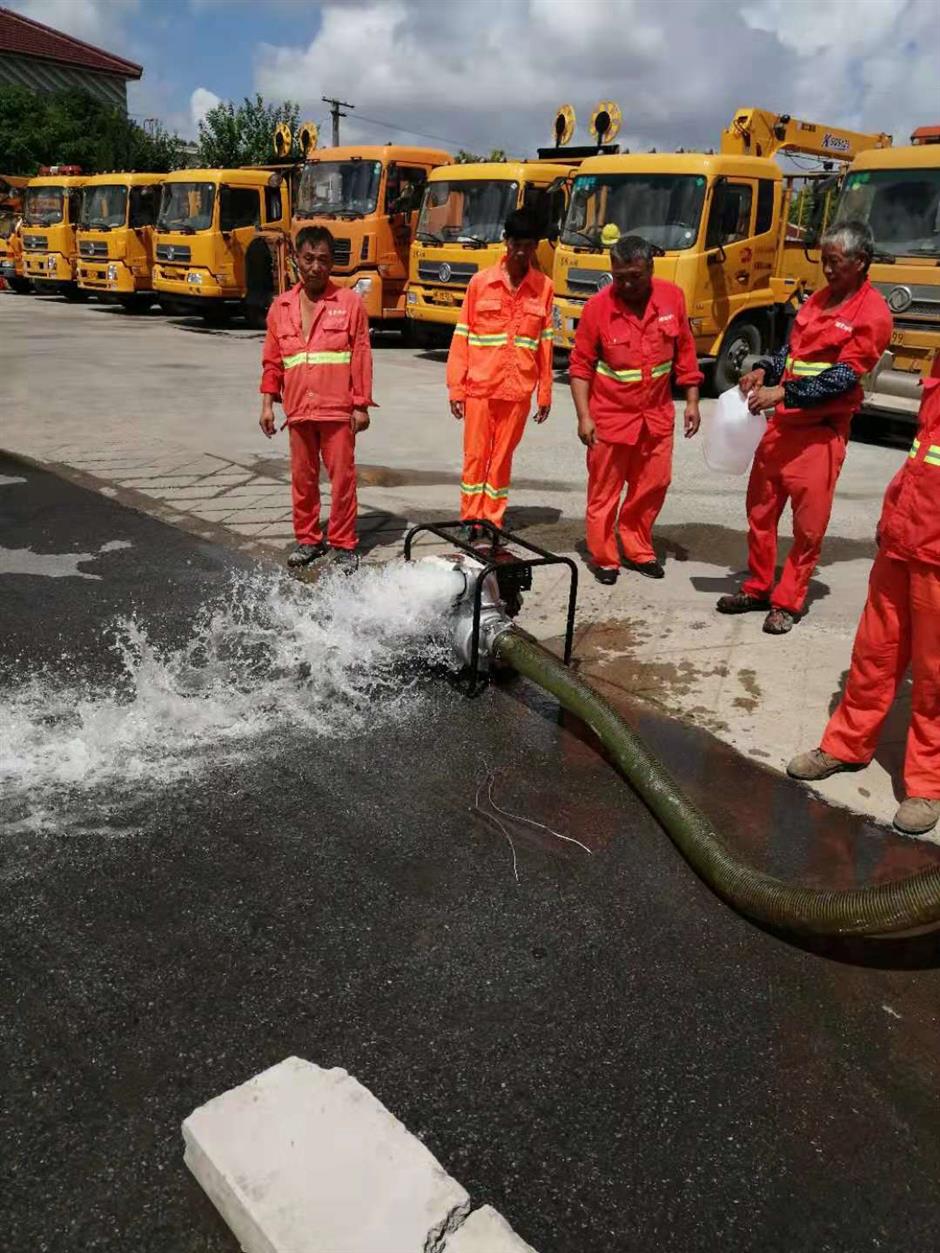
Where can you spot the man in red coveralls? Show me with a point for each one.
(900, 624)
(317, 361)
(632, 337)
(813, 385)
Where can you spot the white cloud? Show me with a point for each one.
(200, 102)
(678, 68)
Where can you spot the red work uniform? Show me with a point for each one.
(629, 362)
(802, 451)
(319, 381)
(500, 354)
(900, 623)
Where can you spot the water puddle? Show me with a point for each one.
(334, 659)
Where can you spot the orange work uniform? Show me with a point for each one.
(801, 454)
(320, 380)
(630, 362)
(900, 624)
(500, 354)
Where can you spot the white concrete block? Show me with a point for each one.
(485, 1231)
(305, 1160)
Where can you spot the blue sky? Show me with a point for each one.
(492, 73)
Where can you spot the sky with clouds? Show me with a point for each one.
(491, 73)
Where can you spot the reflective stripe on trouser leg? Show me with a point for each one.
(809, 476)
(607, 472)
(765, 502)
(649, 473)
(305, 481)
(338, 449)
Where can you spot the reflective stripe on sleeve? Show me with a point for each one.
(914, 447)
(933, 455)
(807, 369)
(462, 329)
(548, 334)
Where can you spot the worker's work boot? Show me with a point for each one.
(305, 554)
(649, 569)
(779, 622)
(741, 602)
(346, 559)
(816, 765)
(606, 574)
(917, 815)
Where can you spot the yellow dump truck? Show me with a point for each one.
(116, 237)
(12, 189)
(722, 222)
(52, 207)
(369, 199)
(460, 229)
(897, 191)
(207, 223)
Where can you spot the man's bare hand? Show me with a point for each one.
(458, 408)
(359, 420)
(541, 413)
(266, 421)
(761, 398)
(753, 378)
(693, 419)
(587, 432)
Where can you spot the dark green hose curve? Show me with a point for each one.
(878, 910)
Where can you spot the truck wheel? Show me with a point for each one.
(20, 285)
(741, 340)
(76, 295)
(140, 302)
(174, 308)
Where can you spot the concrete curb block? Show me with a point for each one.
(305, 1160)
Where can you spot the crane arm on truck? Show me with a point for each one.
(758, 133)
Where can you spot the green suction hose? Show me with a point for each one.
(877, 910)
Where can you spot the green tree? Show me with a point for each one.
(468, 158)
(231, 135)
(72, 128)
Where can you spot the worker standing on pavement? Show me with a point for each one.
(900, 624)
(813, 385)
(633, 337)
(500, 354)
(318, 362)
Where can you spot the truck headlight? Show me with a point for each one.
(112, 273)
(362, 286)
(411, 298)
(51, 264)
(195, 278)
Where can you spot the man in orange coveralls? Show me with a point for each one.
(900, 623)
(501, 352)
(631, 338)
(317, 361)
(813, 385)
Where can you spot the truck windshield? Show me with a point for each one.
(338, 189)
(7, 223)
(104, 206)
(466, 210)
(902, 207)
(664, 208)
(186, 207)
(43, 205)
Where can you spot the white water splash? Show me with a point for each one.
(332, 659)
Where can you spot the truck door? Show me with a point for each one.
(404, 190)
(143, 214)
(239, 214)
(729, 248)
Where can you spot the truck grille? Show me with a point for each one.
(911, 300)
(587, 281)
(93, 248)
(342, 251)
(456, 273)
(179, 254)
(34, 241)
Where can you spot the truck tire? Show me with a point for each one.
(22, 286)
(742, 339)
(140, 302)
(75, 295)
(174, 308)
(259, 281)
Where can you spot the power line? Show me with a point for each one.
(410, 130)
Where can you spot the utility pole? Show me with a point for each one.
(335, 114)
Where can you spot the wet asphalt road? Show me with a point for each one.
(603, 1051)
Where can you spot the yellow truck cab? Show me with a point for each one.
(11, 240)
(115, 237)
(721, 220)
(369, 198)
(460, 229)
(51, 209)
(207, 221)
(897, 192)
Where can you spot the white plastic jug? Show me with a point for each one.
(731, 433)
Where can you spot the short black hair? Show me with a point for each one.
(522, 224)
(632, 248)
(314, 235)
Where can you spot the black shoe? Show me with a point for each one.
(305, 555)
(649, 569)
(741, 602)
(605, 575)
(346, 559)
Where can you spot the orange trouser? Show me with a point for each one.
(646, 467)
(336, 444)
(799, 464)
(492, 430)
(900, 623)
